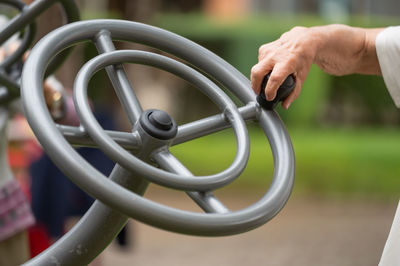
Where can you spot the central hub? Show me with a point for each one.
(158, 124)
(160, 120)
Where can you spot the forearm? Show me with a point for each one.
(346, 50)
(337, 49)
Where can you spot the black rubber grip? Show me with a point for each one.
(284, 90)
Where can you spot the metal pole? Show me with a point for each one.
(94, 232)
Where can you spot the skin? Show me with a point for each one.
(336, 49)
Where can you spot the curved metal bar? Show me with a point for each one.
(28, 15)
(20, 22)
(118, 154)
(120, 198)
(27, 38)
(71, 13)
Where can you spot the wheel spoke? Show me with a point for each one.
(119, 79)
(211, 124)
(206, 200)
(78, 137)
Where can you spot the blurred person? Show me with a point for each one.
(55, 198)
(15, 211)
(337, 50)
(57, 203)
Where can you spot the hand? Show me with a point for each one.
(336, 49)
(293, 54)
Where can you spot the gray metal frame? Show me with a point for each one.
(26, 19)
(122, 191)
(27, 38)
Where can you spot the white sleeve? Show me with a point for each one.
(388, 50)
(390, 255)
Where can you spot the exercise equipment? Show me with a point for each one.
(153, 132)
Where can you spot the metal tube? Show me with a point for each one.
(71, 14)
(77, 136)
(206, 200)
(26, 41)
(212, 124)
(27, 16)
(119, 79)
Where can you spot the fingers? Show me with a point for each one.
(300, 77)
(293, 95)
(278, 75)
(258, 72)
(280, 65)
(279, 72)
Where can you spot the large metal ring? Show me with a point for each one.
(92, 181)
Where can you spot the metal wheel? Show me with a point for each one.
(144, 141)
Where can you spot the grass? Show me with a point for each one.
(333, 162)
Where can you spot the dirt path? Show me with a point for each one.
(307, 232)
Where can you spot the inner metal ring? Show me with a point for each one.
(130, 162)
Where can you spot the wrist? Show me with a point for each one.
(369, 63)
(319, 39)
(327, 38)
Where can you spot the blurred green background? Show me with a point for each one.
(345, 130)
